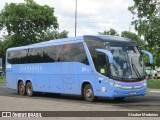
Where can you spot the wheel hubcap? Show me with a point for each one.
(21, 88)
(89, 93)
(29, 89)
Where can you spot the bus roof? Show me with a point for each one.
(50, 42)
(113, 40)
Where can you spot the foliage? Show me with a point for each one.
(110, 32)
(2, 79)
(1, 49)
(27, 22)
(50, 35)
(148, 16)
(147, 22)
(7, 43)
(133, 36)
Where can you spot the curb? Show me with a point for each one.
(154, 90)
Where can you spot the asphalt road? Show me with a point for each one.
(11, 101)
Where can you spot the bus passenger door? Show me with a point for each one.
(101, 66)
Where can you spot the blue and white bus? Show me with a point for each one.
(91, 66)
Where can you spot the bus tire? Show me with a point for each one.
(88, 93)
(21, 88)
(29, 89)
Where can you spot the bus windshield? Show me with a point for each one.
(127, 63)
(127, 60)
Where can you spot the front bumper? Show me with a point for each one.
(117, 92)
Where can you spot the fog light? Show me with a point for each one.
(116, 93)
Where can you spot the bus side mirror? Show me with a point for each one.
(149, 54)
(108, 53)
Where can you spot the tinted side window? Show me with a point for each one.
(60, 53)
(24, 56)
(49, 54)
(72, 52)
(9, 57)
(78, 53)
(35, 55)
(93, 44)
(14, 57)
(64, 54)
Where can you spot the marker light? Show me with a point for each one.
(109, 83)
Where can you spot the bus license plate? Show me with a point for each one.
(132, 93)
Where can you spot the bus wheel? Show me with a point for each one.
(88, 93)
(119, 98)
(21, 88)
(29, 89)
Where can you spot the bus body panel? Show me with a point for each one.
(41, 82)
(50, 77)
(11, 81)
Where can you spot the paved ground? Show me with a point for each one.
(11, 101)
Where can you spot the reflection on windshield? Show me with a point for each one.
(127, 64)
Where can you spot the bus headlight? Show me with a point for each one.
(144, 84)
(117, 85)
(112, 84)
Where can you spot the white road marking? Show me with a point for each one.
(155, 91)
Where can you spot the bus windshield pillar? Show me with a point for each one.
(108, 53)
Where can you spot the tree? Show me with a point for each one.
(27, 22)
(134, 37)
(50, 35)
(110, 32)
(0, 49)
(147, 22)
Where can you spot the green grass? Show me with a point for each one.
(153, 84)
(2, 79)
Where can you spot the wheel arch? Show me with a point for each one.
(28, 81)
(84, 84)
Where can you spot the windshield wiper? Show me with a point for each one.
(135, 69)
(117, 77)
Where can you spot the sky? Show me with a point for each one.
(93, 16)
